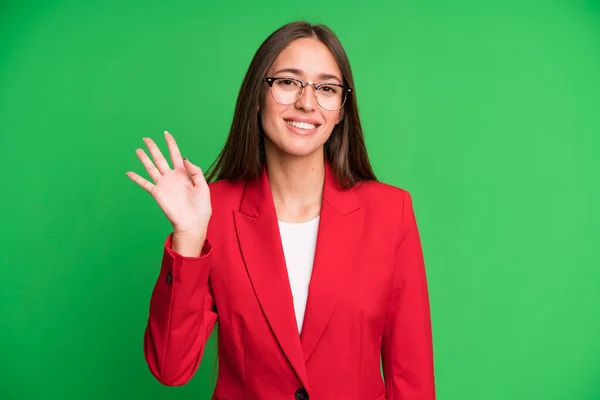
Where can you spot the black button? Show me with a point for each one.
(169, 278)
(301, 394)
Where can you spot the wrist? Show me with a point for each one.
(188, 244)
(189, 234)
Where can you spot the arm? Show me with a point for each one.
(182, 316)
(407, 351)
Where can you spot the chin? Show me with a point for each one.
(301, 151)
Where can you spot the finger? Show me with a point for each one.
(174, 151)
(195, 173)
(159, 159)
(140, 181)
(147, 162)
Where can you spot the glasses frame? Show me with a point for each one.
(347, 90)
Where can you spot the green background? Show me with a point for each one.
(488, 112)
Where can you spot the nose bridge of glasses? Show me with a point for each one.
(304, 85)
(302, 89)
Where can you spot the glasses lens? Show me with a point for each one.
(331, 97)
(286, 91)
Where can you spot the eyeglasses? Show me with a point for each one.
(330, 96)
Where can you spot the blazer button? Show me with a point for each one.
(301, 394)
(169, 278)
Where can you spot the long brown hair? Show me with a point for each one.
(243, 156)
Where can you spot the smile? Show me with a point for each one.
(302, 125)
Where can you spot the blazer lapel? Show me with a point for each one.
(260, 242)
(340, 227)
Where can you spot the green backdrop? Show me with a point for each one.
(487, 111)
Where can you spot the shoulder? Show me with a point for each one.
(386, 204)
(381, 194)
(378, 187)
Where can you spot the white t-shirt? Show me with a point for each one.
(299, 241)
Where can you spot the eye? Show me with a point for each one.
(286, 82)
(329, 89)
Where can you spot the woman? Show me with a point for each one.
(312, 268)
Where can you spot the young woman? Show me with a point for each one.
(312, 269)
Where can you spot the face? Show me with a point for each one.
(301, 128)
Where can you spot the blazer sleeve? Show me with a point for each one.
(407, 350)
(181, 317)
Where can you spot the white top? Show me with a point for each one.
(299, 241)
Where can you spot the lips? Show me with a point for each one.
(306, 125)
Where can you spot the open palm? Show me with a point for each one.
(181, 192)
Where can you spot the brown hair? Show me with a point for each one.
(243, 156)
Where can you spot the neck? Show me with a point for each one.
(297, 185)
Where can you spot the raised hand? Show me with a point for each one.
(181, 192)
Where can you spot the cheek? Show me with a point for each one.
(332, 118)
(269, 116)
(270, 112)
(268, 109)
(340, 115)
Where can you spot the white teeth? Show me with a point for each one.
(302, 125)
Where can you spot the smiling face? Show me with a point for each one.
(303, 127)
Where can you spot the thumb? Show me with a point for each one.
(195, 172)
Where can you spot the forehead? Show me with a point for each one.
(308, 55)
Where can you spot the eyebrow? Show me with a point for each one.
(323, 76)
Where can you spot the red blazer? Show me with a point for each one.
(368, 301)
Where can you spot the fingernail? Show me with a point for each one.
(166, 132)
(185, 158)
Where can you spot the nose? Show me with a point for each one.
(308, 100)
